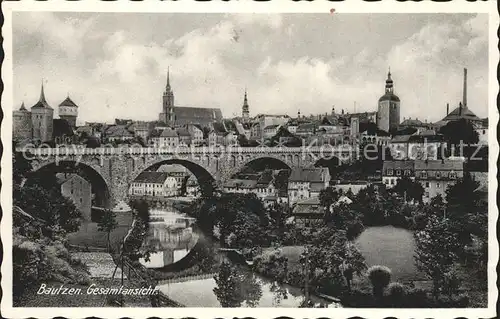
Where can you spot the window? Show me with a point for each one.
(398, 172)
(427, 184)
(423, 174)
(390, 172)
(426, 194)
(453, 174)
(438, 185)
(407, 172)
(438, 174)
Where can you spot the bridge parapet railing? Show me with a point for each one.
(46, 151)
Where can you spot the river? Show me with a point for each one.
(172, 236)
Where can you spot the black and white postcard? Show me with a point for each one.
(231, 159)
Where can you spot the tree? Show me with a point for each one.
(397, 294)
(435, 252)
(380, 277)
(233, 287)
(408, 189)
(20, 168)
(328, 197)
(459, 132)
(107, 223)
(466, 211)
(226, 289)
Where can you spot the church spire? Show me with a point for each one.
(245, 110)
(23, 108)
(168, 79)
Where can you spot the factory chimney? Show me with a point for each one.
(464, 99)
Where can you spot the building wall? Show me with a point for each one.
(69, 113)
(42, 122)
(383, 116)
(79, 191)
(298, 191)
(355, 188)
(394, 115)
(432, 188)
(21, 125)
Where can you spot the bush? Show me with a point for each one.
(417, 298)
(380, 277)
(396, 294)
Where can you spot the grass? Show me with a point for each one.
(391, 247)
(291, 252)
(88, 235)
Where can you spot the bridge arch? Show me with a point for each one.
(202, 174)
(100, 187)
(285, 161)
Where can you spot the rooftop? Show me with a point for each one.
(312, 175)
(151, 177)
(438, 165)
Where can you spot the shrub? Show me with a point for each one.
(417, 298)
(379, 276)
(396, 294)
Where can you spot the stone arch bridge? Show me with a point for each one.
(117, 167)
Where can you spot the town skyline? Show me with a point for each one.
(213, 67)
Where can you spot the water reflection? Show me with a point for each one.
(234, 287)
(170, 237)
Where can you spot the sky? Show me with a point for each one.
(114, 65)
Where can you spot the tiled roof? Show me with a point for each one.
(171, 169)
(461, 112)
(151, 177)
(87, 129)
(68, 102)
(169, 133)
(306, 127)
(196, 115)
(401, 139)
(307, 174)
(183, 132)
(411, 122)
(271, 127)
(240, 183)
(398, 165)
(64, 177)
(310, 206)
(426, 138)
(437, 165)
(118, 131)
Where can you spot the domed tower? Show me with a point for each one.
(21, 124)
(42, 119)
(245, 110)
(388, 107)
(68, 111)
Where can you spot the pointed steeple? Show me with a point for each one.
(23, 108)
(42, 95)
(245, 109)
(168, 79)
(42, 102)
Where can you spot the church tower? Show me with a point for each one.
(42, 119)
(245, 111)
(388, 115)
(68, 111)
(168, 103)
